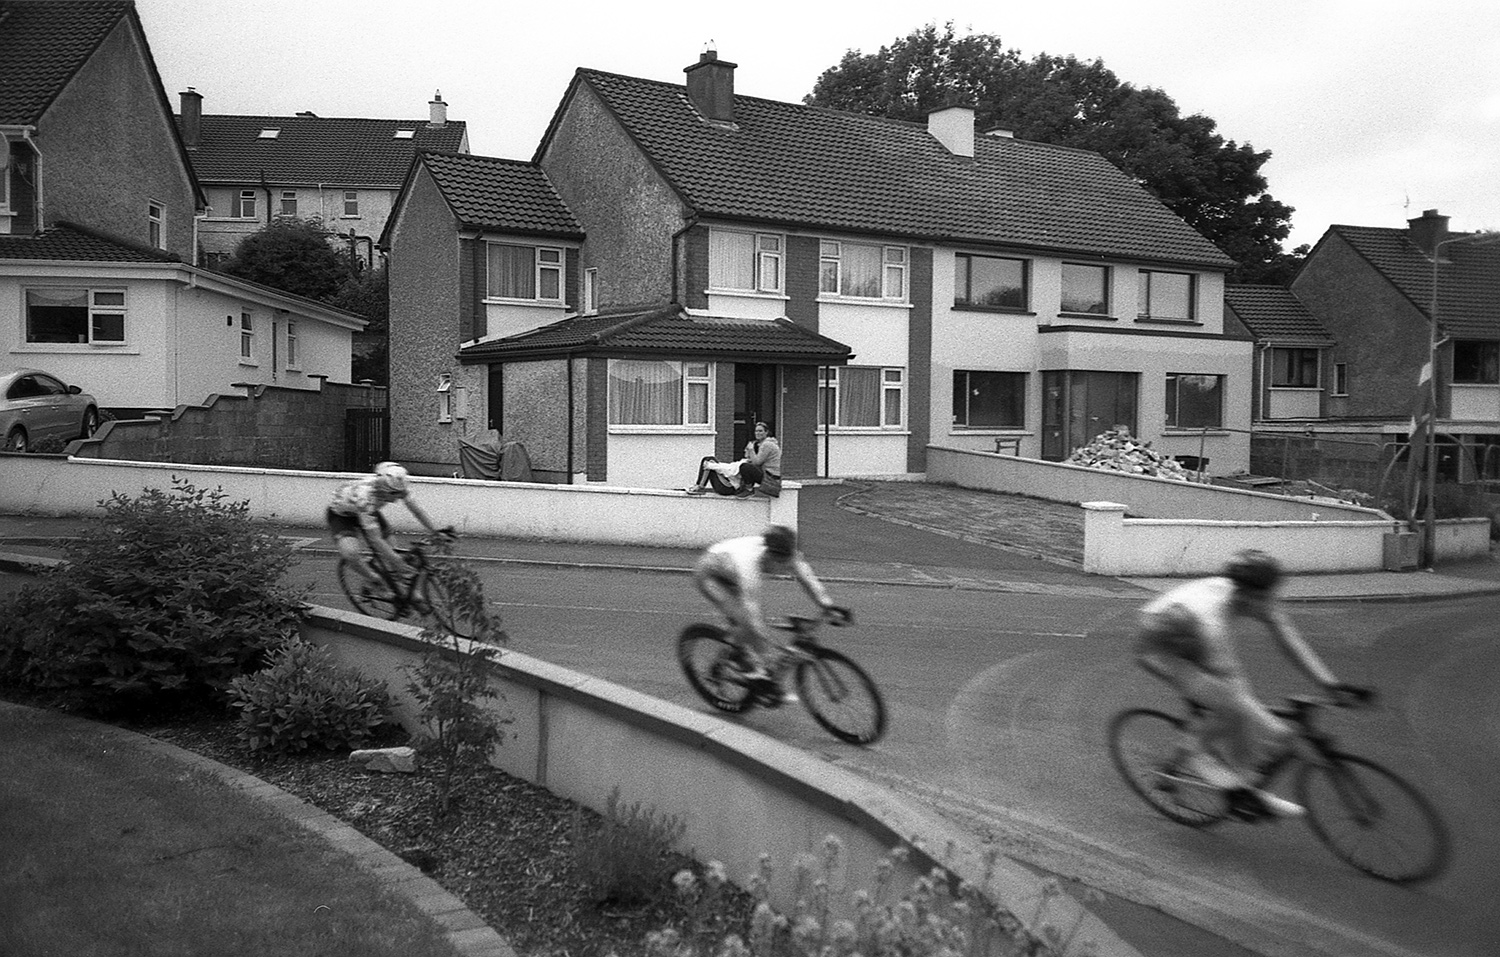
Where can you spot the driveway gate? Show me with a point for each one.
(367, 438)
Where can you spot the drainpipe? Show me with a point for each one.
(267, 188)
(571, 472)
(827, 372)
(36, 176)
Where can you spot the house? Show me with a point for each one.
(343, 172)
(1287, 373)
(97, 221)
(1377, 291)
(866, 286)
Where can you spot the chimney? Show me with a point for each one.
(710, 86)
(192, 117)
(953, 126)
(1426, 231)
(437, 110)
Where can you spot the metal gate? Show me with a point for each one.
(367, 438)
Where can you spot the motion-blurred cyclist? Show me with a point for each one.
(354, 514)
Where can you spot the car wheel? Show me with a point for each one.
(90, 423)
(16, 441)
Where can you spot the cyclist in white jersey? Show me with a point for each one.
(354, 513)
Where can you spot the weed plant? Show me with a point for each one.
(623, 862)
(303, 699)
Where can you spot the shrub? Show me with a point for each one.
(161, 601)
(623, 861)
(303, 699)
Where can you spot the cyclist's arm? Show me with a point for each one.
(749, 579)
(381, 545)
(419, 514)
(803, 572)
(1296, 648)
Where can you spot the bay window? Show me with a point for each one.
(989, 400)
(525, 272)
(749, 262)
(1165, 296)
(1195, 401)
(862, 271)
(862, 397)
(1294, 368)
(75, 315)
(991, 281)
(660, 392)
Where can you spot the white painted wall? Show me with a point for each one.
(747, 305)
(1282, 403)
(863, 453)
(655, 459)
(1473, 403)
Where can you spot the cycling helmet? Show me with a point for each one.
(1253, 570)
(781, 541)
(392, 477)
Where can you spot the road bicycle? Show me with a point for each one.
(1367, 815)
(835, 690)
(420, 591)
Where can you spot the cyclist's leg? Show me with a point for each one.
(724, 595)
(1252, 732)
(349, 538)
(1201, 736)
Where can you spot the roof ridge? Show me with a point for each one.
(343, 119)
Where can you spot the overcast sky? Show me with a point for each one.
(1374, 110)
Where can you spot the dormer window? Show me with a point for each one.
(269, 134)
(404, 134)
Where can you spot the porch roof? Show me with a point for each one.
(68, 242)
(666, 331)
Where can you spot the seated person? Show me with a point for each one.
(765, 452)
(736, 478)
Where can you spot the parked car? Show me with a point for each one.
(35, 406)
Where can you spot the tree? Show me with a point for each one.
(1215, 185)
(292, 255)
(368, 294)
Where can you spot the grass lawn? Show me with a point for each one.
(109, 849)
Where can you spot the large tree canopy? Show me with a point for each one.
(1213, 184)
(292, 255)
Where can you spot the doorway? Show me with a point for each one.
(755, 394)
(1077, 405)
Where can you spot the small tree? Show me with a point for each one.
(292, 255)
(368, 294)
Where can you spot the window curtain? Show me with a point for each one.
(731, 260)
(644, 392)
(862, 268)
(859, 395)
(57, 314)
(512, 272)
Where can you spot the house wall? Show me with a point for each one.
(1380, 334)
(425, 297)
(625, 208)
(220, 233)
(108, 147)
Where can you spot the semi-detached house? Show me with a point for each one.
(868, 287)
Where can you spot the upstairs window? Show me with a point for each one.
(660, 392)
(1165, 296)
(1476, 362)
(243, 206)
(1294, 368)
(268, 134)
(861, 271)
(156, 217)
(289, 203)
(60, 314)
(525, 272)
(404, 134)
(989, 400)
(1195, 401)
(1085, 289)
(750, 262)
(862, 397)
(351, 203)
(991, 281)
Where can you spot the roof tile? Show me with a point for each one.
(315, 149)
(491, 193)
(42, 45)
(1468, 276)
(67, 242)
(1273, 313)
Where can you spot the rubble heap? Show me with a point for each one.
(1118, 451)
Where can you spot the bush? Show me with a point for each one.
(303, 699)
(624, 861)
(162, 601)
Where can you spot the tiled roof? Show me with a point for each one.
(504, 194)
(1274, 314)
(314, 149)
(811, 166)
(68, 242)
(1468, 276)
(42, 45)
(668, 331)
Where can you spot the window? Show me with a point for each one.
(590, 291)
(1294, 368)
(292, 359)
(1476, 361)
(244, 204)
(862, 271)
(156, 225)
(75, 315)
(289, 202)
(351, 202)
(990, 281)
(989, 400)
(445, 397)
(525, 272)
(862, 397)
(1085, 289)
(744, 261)
(1340, 378)
(1195, 401)
(247, 337)
(660, 392)
(404, 134)
(269, 134)
(1165, 296)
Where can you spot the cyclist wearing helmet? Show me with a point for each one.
(1186, 640)
(355, 514)
(730, 575)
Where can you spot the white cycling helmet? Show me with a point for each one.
(393, 477)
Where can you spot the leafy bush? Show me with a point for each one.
(304, 699)
(624, 860)
(162, 601)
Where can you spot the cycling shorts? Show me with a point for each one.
(350, 525)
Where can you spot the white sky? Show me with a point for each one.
(1374, 110)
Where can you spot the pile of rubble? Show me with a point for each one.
(1118, 451)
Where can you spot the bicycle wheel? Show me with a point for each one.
(841, 697)
(435, 599)
(1372, 819)
(1144, 746)
(708, 658)
(363, 595)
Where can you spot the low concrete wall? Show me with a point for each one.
(58, 485)
(739, 793)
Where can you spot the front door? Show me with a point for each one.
(1077, 405)
(754, 401)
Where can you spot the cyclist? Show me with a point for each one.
(355, 514)
(730, 574)
(1186, 640)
